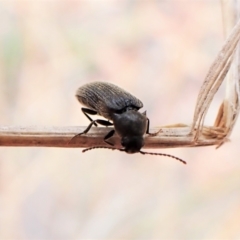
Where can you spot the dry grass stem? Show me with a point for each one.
(61, 137)
(230, 107)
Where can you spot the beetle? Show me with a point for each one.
(120, 108)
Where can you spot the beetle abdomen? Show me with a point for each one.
(106, 98)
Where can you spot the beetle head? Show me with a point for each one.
(132, 144)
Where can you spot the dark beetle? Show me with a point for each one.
(121, 108)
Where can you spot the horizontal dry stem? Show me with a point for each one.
(37, 136)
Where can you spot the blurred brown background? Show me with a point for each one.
(160, 51)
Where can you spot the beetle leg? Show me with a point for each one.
(148, 122)
(87, 111)
(109, 135)
(151, 134)
(99, 121)
(104, 122)
(85, 131)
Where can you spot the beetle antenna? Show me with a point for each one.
(165, 155)
(87, 149)
(149, 153)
